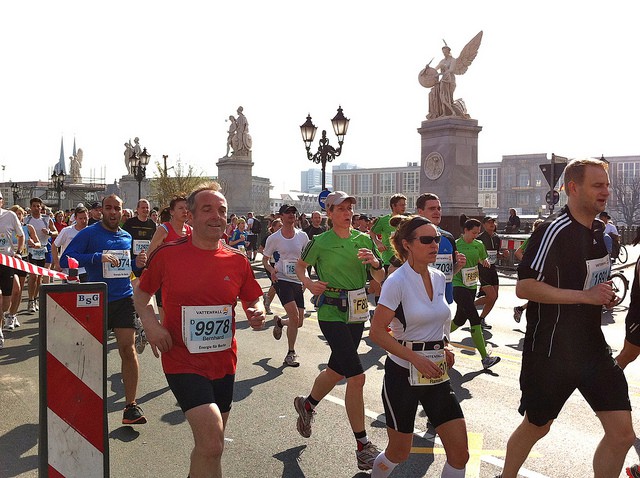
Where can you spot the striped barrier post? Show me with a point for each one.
(73, 389)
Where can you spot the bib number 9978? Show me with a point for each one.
(211, 327)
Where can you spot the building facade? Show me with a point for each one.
(373, 187)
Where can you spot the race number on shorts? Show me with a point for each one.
(437, 357)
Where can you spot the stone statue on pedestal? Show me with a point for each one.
(128, 152)
(131, 150)
(238, 137)
(442, 80)
(75, 163)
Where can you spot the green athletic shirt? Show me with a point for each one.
(474, 252)
(336, 262)
(382, 227)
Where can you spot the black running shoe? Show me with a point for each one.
(133, 415)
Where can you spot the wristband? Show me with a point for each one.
(379, 266)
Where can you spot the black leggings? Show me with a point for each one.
(466, 309)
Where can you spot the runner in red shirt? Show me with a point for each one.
(201, 278)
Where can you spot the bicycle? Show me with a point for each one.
(620, 285)
(623, 255)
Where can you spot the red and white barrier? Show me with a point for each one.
(511, 244)
(73, 413)
(24, 266)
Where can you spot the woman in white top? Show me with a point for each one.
(413, 305)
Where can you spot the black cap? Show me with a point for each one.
(364, 217)
(488, 218)
(604, 214)
(286, 207)
(95, 205)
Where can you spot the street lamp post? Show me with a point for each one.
(139, 167)
(16, 192)
(326, 153)
(57, 181)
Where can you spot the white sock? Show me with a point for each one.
(450, 472)
(382, 467)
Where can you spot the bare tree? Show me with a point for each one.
(165, 187)
(627, 195)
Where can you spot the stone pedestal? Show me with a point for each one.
(449, 167)
(234, 175)
(129, 191)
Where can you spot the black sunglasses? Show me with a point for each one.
(429, 239)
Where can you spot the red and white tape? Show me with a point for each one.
(21, 265)
(511, 244)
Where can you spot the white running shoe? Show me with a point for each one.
(367, 456)
(141, 341)
(291, 360)
(489, 361)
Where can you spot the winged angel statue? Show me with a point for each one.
(442, 80)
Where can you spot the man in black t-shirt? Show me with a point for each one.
(316, 226)
(314, 229)
(489, 275)
(142, 228)
(564, 275)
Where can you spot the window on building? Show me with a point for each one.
(343, 183)
(488, 179)
(365, 203)
(628, 171)
(524, 179)
(523, 200)
(411, 182)
(365, 184)
(488, 200)
(387, 183)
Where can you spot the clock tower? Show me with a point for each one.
(449, 166)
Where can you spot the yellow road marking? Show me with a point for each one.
(475, 453)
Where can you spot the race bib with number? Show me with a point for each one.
(598, 271)
(207, 328)
(470, 276)
(444, 263)
(289, 269)
(358, 306)
(38, 253)
(140, 245)
(109, 271)
(5, 243)
(492, 256)
(437, 357)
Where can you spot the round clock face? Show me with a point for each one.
(433, 166)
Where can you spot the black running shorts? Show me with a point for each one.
(547, 383)
(121, 314)
(344, 340)
(289, 292)
(192, 390)
(401, 400)
(6, 280)
(488, 275)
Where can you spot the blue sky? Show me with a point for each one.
(548, 78)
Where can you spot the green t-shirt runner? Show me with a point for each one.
(385, 230)
(475, 253)
(336, 262)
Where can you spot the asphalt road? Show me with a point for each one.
(261, 438)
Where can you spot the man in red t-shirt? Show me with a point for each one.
(201, 278)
